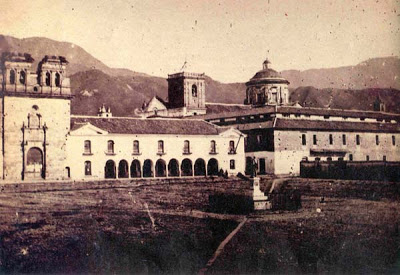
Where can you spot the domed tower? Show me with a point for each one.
(267, 87)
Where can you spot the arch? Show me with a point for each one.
(200, 167)
(194, 90)
(187, 167)
(136, 169)
(161, 170)
(212, 167)
(123, 169)
(34, 161)
(12, 77)
(173, 168)
(22, 77)
(58, 80)
(48, 77)
(148, 169)
(34, 156)
(109, 170)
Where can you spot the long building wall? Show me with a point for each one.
(289, 148)
(148, 146)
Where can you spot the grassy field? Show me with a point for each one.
(173, 229)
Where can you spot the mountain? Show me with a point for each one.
(381, 72)
(346, 99)
(94, 83)
(79, 59)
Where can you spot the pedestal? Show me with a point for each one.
(259, 199)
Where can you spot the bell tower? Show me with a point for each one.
(187, 90)
(35, 117)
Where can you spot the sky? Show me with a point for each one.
(228, 40)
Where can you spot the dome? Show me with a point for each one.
(267, 75)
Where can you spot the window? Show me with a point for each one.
(47, 79)
(58, 80)
(12, 77)
(377, 140)
(259, 139)
(326, 117)
(213, 149)
(358, 139)
(87, 147)
(315, 139)
(186, 147)
(231, 147)
(384, 158)
(110, 147)
(303, 139)
(367, 158)
(161, 147)
(88, 168)
(393, 140)
(136, 147)
(330, 139)
(22, 77)
(351, 157)
(344, 139)
(232, 164)
(329, 158)
(194, 90)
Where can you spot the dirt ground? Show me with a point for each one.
(342, 227)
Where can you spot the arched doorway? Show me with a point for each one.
(123, 169)
(200, 167)
(186, 167)
(109, 170)
(34, 163)
(173, 168)
(161, 170)
(135, 169)
(212, 167)
(148, 168)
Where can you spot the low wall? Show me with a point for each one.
(357, 170)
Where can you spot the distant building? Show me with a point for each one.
(267, 87)
(186, 97)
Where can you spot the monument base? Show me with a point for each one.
(259, 199)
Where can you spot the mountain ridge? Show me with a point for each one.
(94, 83)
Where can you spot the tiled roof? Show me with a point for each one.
(336, 112)
(241, 111)
(148, 126)
(220, 112)
(300, 124)
(258, 125)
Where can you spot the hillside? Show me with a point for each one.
(346, 99)
(374, 73)
(94, 83)
(78, 58)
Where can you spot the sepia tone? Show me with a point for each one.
(150, 165)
